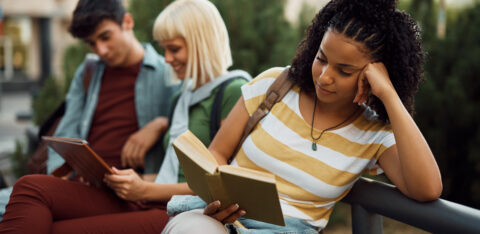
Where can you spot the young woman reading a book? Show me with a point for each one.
(349, 112)
(196, 45)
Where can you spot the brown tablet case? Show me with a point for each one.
(81, 158)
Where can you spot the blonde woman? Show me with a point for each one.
(196, 45)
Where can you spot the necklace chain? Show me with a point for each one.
(315, 139)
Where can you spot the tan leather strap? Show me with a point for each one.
(275, 93)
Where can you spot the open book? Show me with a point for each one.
(81, 158)
(252, 190)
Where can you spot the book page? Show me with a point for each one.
(197, 164)
(192, 147)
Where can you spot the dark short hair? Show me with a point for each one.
(90, 13)
(391, 36)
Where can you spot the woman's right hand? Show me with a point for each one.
(227, 215)
(127, 184)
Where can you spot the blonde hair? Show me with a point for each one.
(205, 33)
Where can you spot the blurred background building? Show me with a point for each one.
(32, 40)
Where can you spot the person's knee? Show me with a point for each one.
(31, 184)
(29, 180)
(194, 222)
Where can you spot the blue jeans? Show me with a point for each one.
(182, 203)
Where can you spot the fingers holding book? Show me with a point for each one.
(227, 215)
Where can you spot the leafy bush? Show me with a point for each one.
(19, 159)
(54, 90)
(448, 105)
(72, 58)
(47, 100)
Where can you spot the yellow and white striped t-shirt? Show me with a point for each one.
(309, 182)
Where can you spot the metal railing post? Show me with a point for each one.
(365, 222)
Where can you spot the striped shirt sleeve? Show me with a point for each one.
(387, 140)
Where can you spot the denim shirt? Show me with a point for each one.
(153, 89)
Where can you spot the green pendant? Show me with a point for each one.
(314, 146)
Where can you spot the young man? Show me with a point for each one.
(129, 92)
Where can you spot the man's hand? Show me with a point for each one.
(126, 184)
(65, 172)
(137, 145)
(66, 176)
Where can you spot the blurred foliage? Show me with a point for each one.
(144, 17)
(47, 100)
(448, 104)
(260, 36)
(341, 216)
(73, 57)
(54, 90)
(19, 160)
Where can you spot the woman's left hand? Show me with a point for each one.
(373, 78)
(127, 184)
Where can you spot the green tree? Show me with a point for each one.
(425, 12)
(54, 90)
(144, 13)
(72, 58)
(48, 99)
(260, 36)
(448, 105)
(19, 160)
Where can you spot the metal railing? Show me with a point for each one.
(370, 200)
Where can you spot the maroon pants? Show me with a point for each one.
(46, 204)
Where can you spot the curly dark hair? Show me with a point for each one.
(88, 14)
(391, 36)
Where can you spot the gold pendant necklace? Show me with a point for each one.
(315, 139)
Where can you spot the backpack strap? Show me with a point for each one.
(275, 93)
(90, 65)
(172, 109)
(215, 113)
